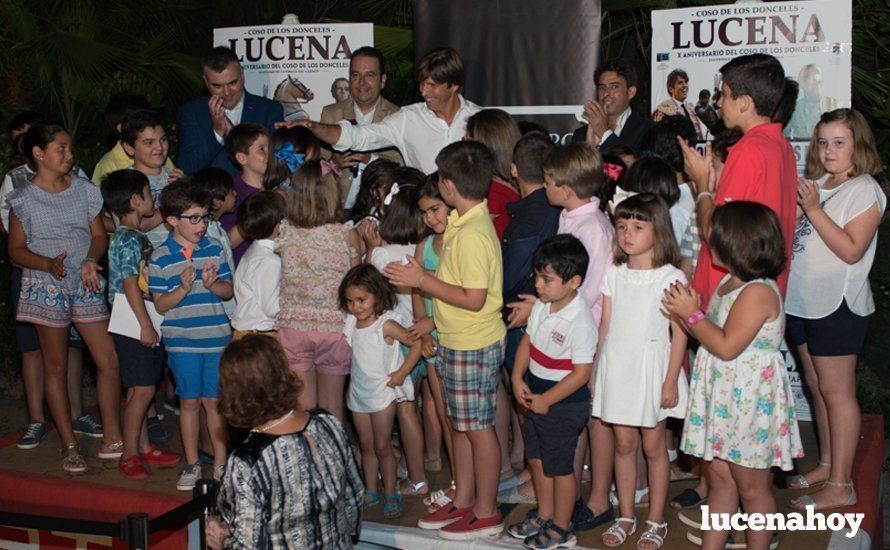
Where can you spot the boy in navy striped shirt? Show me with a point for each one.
(189, 280)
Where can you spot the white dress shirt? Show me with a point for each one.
(234, 116)
(619, 125)
(256, 287)
(414, 130)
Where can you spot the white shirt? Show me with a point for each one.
(234, 116)
(414, 130)
(681, 212)
(383, 255)
(362, 119)
(819, 281)
(619, 125)
(560, 340)
(257, 282)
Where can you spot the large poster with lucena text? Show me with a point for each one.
(812, 39)
(304, 67)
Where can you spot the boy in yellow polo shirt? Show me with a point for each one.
(467, 300)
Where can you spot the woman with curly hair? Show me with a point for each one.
(293, 483)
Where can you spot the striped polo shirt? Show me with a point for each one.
(558, 341)
(197, 324)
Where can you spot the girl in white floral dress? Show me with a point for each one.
(741, 414)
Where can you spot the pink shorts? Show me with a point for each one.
(309, 350)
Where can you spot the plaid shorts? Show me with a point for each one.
(470, 382)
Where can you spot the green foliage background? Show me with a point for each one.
(65, 58)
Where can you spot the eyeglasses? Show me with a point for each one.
(196, 219)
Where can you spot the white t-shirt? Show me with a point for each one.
(819, 281)
(681, 212)
(380, 257)
(560, 340)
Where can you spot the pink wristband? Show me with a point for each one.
(695, 317)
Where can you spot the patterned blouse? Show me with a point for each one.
(300, 490)
(313, 262)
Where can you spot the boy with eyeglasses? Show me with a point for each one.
(189, 280)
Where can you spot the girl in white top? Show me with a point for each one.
(394, 241)
(379, 378)
(829, 298)
(638, 383)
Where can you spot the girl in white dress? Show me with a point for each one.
(637, 382)
(741, 416)
(379, 377)
(829, 298)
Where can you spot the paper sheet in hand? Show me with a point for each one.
(123, 319)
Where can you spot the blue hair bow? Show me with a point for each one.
(286, 153)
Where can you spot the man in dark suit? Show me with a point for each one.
(205, 122)
(610, 120)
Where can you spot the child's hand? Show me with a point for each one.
(669, 394)
(56, 266)
(422, 327)
(187, 278)
(397, 378)
(175, 174)
(209, 274)
(148, 337)
(537, 404)
(428, 346)
(680, 300)
(89, 274)
(370, 234)
(521, 393)
(520, 311)
(808, 195)
(408, 275)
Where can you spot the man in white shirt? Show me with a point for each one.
(678, 89)
(418, 131)
(363, 106)
(204, 123)
(610, 120)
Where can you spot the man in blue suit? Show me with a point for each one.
(205, 122)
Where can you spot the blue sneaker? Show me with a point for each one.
(157, 434)
(87, 425)
(33, 435)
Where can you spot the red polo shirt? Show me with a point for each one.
(760, 168)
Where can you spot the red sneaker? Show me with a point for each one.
(157, 457)
(442, 517)
(132, 467)
(470, 527)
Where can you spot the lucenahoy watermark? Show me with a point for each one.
(794, 521)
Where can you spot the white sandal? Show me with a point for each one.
(437, 499)
(413, 489)
(799, 482)
(652, 535)
(616, 531)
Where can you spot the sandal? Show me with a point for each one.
(370, 498)
(114, 450)
(689, 498)
(799, 481)
(620, 534)
(545, 540)
(419, 489)
(801, 502)
(392, 507)
(638, 497)
(437, 499)
(529, 527)
(72, 461)
(653, 534)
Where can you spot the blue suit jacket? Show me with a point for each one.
(198, 147)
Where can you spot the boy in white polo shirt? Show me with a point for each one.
(557, 351)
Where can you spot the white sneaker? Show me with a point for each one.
(189, 476)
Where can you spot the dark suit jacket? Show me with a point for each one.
(198, 147)
(631, 135)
